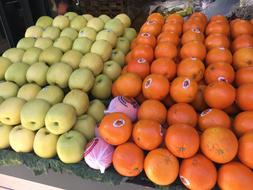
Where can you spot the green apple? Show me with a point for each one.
(69, 32)
(96, 23)
(4, 64)
(51, 32)
(63, 43)
(104, 18)
(44, 22)
(53, 94)
(102, 48)
(37, 73)
(50, 55)
(31, 55)
(21, 139)
(28, 91)
(44, 144)
(116, 26)
(78, 22)
(112, 69)
(118, 56)
(10, 110)
(81, 79)
(102, 87)
(130, 34)
(86, 125)
(33, 114)
(61, 22)
(34, 32)
(78, 99)
(70, 15)
(82, 44)
(87, 16)
(123, 44)
(43, 43)
(4, 135)
(93, 62)
(14, 54)
(26, 43)
(8, 89)
(60, 118)
(70, 147)
(126, 21)
(58, 74)
(88, 32)
(16, 72)
(96, 110)
(107, 35)
(72, 57)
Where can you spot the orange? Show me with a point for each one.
(245, 149)
(157, 164)
(139, 66)
(143, 51)
(115, 90)
(192, 35)
(194, 23)
(242, 41)
(199, 102)
(172, 26)
(146, 39)
(243, 58)
(244, 76)
(156, 17)
(219, 54)
(124, 69)
(244, 97)
(241, 27)
(218, 28)
(175, 17)
(165, 49)
(133, 44)
(193, 49)
(115, 128)
(219, 18)
(152, 27)
(216, 41)
(128, 57)
(200, 15)
(243, 122)
(182, 140)
(128, 159)
(168, 37)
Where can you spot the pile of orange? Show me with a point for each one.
(193, 80)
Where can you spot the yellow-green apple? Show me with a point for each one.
(10, 110)
(96, 23)
(31, 55)
(88, 32)
(4, 135)
(50, 55)
(126, 21)
(107, 35)
(130, 34)
(60, 118)
(34, 32)
(69, 32)
(61, 22)
(104, 18)
(51, 32)
(78, 99)
(118, 56)
(16, 72)
(72, 57)
(37, 73)
(87, 16)
(43, 43)
(21, 139)
(28, 91)
(82, 44)
(33, 114)
(15, 55)
(53, 94)
(70, 15)
(58, 74)
(93, 62)
(86, 125)
(115, 25)
(26, 43)
(63, 43)
(44, 144)
(4, 64)
(102, 87)
(112, 69)
(70, 147)
(81, 79)
(123, 44)
(102, 48)
(8, 89)
(96, 110)
(44, 22)
(78, 22)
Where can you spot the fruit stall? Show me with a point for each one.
(167, 104)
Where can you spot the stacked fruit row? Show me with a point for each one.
(195, 115)
(51, 76)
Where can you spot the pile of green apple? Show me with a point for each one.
(53, 83)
